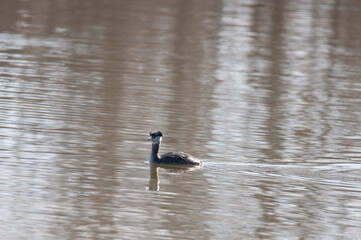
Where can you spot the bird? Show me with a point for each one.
(171, 158)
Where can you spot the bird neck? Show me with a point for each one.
(155, 152)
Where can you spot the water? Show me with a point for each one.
(266, 93)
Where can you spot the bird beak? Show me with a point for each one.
(149, 138)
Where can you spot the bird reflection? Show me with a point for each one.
(153, 178)
(154, 169)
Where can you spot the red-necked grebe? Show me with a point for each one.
(174, 158)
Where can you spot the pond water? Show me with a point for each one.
(266, 93)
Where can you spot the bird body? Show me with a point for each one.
(174, 158)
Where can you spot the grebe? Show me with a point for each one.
(174, 158)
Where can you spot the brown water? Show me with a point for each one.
(267, 93)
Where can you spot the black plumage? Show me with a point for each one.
(173, 158)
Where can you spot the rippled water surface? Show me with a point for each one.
(267, 93)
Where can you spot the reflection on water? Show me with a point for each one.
(266, 93)
(153, 178)
(154, 172)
